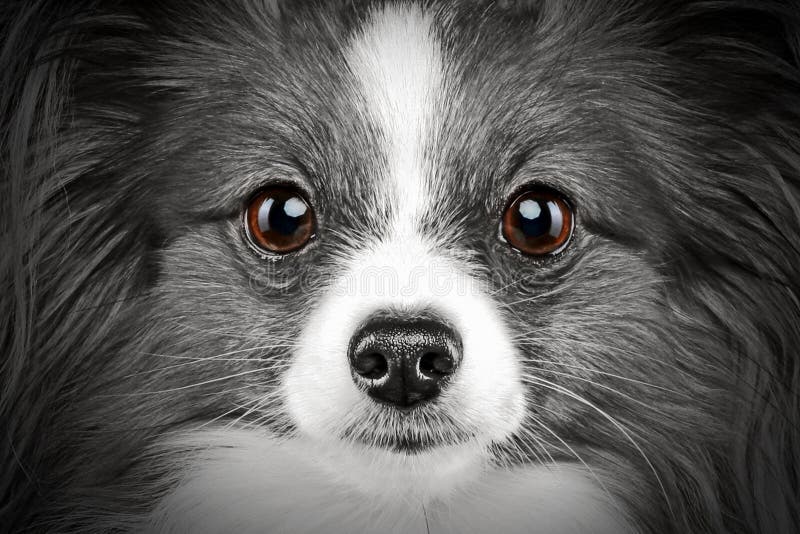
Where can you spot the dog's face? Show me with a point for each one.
(445, 266)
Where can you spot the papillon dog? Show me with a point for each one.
(400, 266)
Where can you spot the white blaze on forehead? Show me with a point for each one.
(398, 63)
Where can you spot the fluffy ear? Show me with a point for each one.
(45, 346)
(30, 95)
(751, 52)
(79, 82)
(733, 81)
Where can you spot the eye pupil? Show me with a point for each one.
(535, 218)
(537, 223)
(283, 217)
(279, 220)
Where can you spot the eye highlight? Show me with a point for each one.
(538, 222)
(279, 220)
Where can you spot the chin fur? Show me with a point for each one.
(250, 482)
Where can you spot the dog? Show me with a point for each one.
(400, 266)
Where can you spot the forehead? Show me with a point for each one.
(410, 116)
(397, 63)
(419, 106)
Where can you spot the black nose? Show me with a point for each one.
(403, 363)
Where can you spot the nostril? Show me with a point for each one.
(436, 364)
(372, 365)
(404, 362)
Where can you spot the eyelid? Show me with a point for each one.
(287, 177)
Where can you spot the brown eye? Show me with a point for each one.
(279, 219)
(538, 223)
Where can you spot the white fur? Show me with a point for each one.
(485, 396)
(245, 482)
(398, 63)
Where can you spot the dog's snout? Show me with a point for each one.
(403, 363)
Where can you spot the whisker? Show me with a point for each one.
(605, 387)
(605, 373)
(539, 442)
(558, 388)
(577, 456)
(217, 418)
(523, 340)
(182, 388)
(237, 351)
(259, 403)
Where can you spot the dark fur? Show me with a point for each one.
(131, 132)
